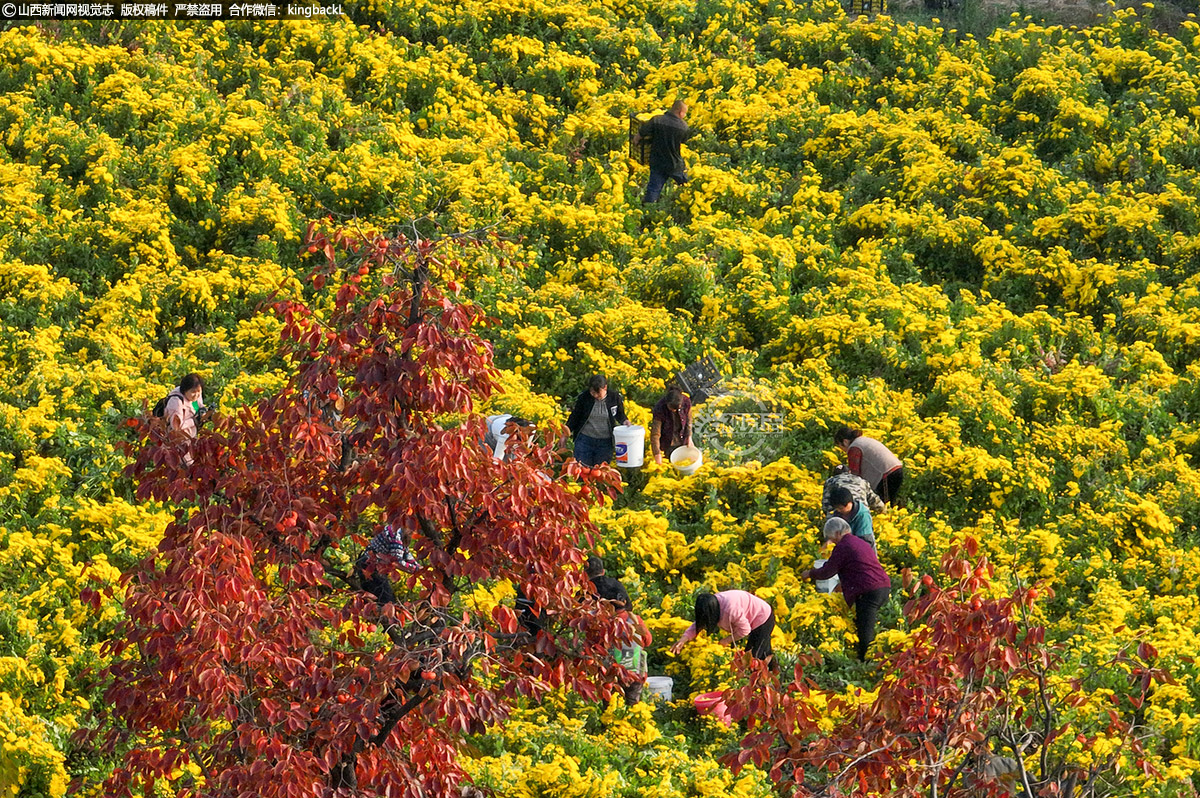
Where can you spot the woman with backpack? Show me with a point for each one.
(184, 405)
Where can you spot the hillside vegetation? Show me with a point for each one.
(983, 252)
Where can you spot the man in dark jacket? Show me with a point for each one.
(632, 656)
(665, 132)
(597, 410)
(606, 586)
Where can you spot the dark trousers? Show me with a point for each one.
(532, 622)
(593, 451)
(866, 612)
(372, 581)
(657, 180)
(758, 642)
(889, 487)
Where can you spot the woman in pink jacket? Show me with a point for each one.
(743, 615)
(185, 405)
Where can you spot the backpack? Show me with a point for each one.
(160, 408)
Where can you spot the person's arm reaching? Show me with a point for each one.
(831, 567)
(655, 436)
(688, 636)
(687, 414)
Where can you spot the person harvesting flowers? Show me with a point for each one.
(665, 132)
(743, 615)
(597, 410)
(672, 424)
(871, 460)
(860, 489)
(854, 513)
(865, 585)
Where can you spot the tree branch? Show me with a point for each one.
(392, 717)
(844, 771)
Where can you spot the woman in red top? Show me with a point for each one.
(744, 615)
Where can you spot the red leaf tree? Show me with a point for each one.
(249, 655)
(976, 704)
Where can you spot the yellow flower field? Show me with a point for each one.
(984, 252)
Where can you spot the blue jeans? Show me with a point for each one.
(657, 181)
(593, 451)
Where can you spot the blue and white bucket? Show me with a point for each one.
(629, 443)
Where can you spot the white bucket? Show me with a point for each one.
(687, 453)
(825, 585)
(630, 445)
(496, 425)
(660, 686)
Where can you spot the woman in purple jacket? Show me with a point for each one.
(865, 584)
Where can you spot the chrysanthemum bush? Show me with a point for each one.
(982, 251)
(582, 749)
